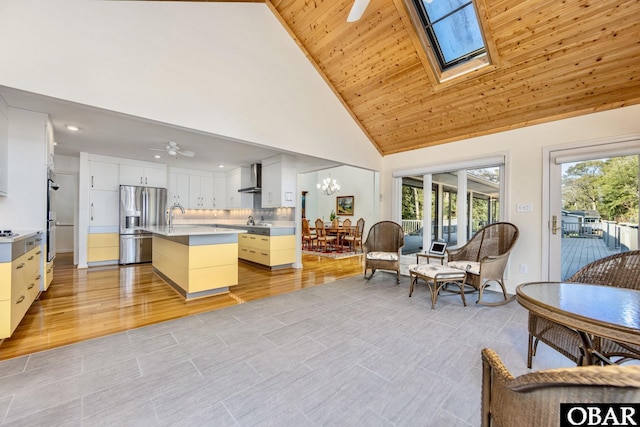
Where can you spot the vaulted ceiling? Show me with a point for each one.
(552, 59)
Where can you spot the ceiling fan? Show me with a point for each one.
(173, 149)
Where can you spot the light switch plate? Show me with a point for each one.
(524, 207)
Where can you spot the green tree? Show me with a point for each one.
(580, 185)
(619, 185)
(609, 186)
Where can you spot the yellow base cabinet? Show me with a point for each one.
(196, 270)
(19, 282)
(103, 247)
(48, 275)
(271, 251)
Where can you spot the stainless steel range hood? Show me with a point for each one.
(256, 180)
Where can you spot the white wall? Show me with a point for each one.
(25, 207)
(524, 149)
(225, 68)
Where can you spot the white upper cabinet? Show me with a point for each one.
(219, 190)
(200, 191)
(132, 174)
(178, 189)
(236, 179)
(103, 175)
(4, 151)
(278, 182)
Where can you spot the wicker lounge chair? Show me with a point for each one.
(485, 257)
(382, 248)
(621, 270)
(534, 399)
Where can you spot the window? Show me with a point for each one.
(451, 34)
(444, 213)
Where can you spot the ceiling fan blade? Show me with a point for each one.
(157, 149)
(357, 10)
(186, 153)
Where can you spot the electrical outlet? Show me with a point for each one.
(524, 207)
(524, 269)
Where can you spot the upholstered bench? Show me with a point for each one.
(436, 277)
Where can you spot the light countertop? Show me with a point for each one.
(22, 234)
(192, 230)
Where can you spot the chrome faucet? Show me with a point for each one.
(174, 206)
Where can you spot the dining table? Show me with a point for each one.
(604, 311)
(339, 232)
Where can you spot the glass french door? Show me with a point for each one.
(593, 205)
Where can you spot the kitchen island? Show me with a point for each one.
(197, 261)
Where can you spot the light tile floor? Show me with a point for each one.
(349, 353)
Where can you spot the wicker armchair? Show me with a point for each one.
(485, 257)
(534, 399)
(382, 248)
(621, 270)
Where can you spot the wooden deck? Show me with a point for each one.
(578, 252)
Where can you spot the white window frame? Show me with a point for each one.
(501, 160)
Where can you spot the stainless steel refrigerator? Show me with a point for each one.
(139, 207)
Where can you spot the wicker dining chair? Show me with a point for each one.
(485, 257)
(534, 399)
(382, 248)
(621, 270)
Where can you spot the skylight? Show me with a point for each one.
(453, 31)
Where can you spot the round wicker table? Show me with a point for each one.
(604, 311)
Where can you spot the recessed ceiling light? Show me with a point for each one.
(55, 143)
(157, 156)
(220, 166)
(73, 128)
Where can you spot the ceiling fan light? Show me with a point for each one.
(172, 152)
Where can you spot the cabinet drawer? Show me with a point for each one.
(20, 303)
(19, 271)
(48, 275)
(254, 241)
(287, 256)
(5, 319)
(101, 240)
(6, 281)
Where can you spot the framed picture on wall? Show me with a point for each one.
(344, 205)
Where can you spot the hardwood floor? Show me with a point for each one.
(89, 303)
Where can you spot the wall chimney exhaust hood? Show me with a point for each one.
(256, 180)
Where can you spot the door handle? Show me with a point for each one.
(554, 224)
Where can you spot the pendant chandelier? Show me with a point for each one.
(328, 186)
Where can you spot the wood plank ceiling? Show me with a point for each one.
(552, 59)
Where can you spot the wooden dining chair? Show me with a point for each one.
(307, 237)
(322, 237)
(355, 237)
(346, 230)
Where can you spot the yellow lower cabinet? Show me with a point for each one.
(48, 275)
(19, 287)
(267, 250)
(103, 247)
(197, 268)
